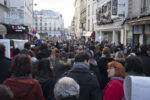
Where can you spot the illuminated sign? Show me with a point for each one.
(18, 28)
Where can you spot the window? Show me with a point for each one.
(41, 28)
(114, 7)
(45, 28)
(50, 28)
(88, 10)
(40, 24)
(5, 2)
(144, 6)
(45, 24)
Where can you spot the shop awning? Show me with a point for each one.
(3, 29)
(87, 34)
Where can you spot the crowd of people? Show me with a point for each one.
(71, 70)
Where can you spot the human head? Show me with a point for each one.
(143, 48)
(44, 68)
(134, 64)
(116, 69)
(2, 50)
(43, 47)
(21, 66)
(27, 45)
(82, 57)
(119, 56)
(5, 93)
(106, 52)
(66, 87)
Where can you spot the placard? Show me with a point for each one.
(137, 88)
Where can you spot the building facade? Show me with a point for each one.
(77, 16)
(4, 11)
(19, 20)
(138, 22)
(110, 15)
(49, 23)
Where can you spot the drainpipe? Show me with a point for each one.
(143, 32)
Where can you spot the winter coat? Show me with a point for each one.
(146, 60)
(94, 68)
(114, 90)
(25, 89)
(89, 86)
(102, 65)
(60, 67)
(4, 68)
(47, 87)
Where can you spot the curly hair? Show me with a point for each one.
(134, 64)
(120, 70)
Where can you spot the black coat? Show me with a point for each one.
(102, 65)
(96, 72)
(89, 86)
(146, 60)
(48, 89)
(60, 68)
(4, 68)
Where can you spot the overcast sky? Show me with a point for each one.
(65, 7)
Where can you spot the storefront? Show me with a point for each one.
(140, 30)
(17, 32)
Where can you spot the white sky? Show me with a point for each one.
(65, 7)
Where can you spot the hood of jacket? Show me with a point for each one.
(20, 87)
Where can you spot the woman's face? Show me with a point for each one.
(111, 72)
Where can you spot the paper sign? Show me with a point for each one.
(7, 46)
(137, 88)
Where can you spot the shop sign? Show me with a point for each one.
(18, 28)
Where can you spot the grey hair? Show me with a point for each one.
(5, 93)
(66, 87)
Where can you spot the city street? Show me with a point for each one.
(74, 49)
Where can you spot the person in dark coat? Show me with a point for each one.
(4, 64)
(81, 73)
(45, 76)
(43, 53)
(67, 88)
(62, 65)
(102, 64)
(21, 83)
(145, 58)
